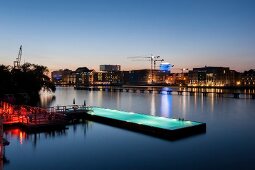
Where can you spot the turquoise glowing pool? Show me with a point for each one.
(147, 123)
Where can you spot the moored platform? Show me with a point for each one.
(36, 119)
(157, 126)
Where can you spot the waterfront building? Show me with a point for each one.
(108, 75)
(84, 76)
(235, 78)
(180, 79)
(108, 78)
(56, 76)
(144, 77)
(63, 77)
(126, 77)
(248, 78)
(212, 76)
(160, 76)
(110, 68)
(71, 78)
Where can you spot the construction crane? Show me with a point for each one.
(152, 59)
(18, 59)
(155, 61)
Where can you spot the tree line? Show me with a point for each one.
(29, 78)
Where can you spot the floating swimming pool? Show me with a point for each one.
(146, 123)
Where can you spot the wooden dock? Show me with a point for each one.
(34, 118)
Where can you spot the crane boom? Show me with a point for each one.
(152, 59)
(18, 59)
(161, 60)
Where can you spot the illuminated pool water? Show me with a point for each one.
(142, 119)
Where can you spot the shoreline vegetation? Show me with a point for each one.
(22, 85)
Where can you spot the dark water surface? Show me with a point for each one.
(229, 142)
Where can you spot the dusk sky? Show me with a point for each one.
(74, 33)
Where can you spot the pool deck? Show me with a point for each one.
(156, 126)
(61, 116)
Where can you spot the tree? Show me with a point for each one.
(6, 83)
(30, 78)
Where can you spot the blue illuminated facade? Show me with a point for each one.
(165, 67)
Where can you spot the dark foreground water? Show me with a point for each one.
(229, 142)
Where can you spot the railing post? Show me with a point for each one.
(253, 96)
(236, 95)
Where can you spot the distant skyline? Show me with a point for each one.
(75, 33)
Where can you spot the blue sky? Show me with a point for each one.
(73, 33)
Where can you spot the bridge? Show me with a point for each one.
(169, 91)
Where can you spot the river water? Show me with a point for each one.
(229, 142)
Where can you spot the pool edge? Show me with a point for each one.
(149, 130)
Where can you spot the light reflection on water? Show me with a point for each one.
(153, 109)
(166, 105)
(227, 144)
